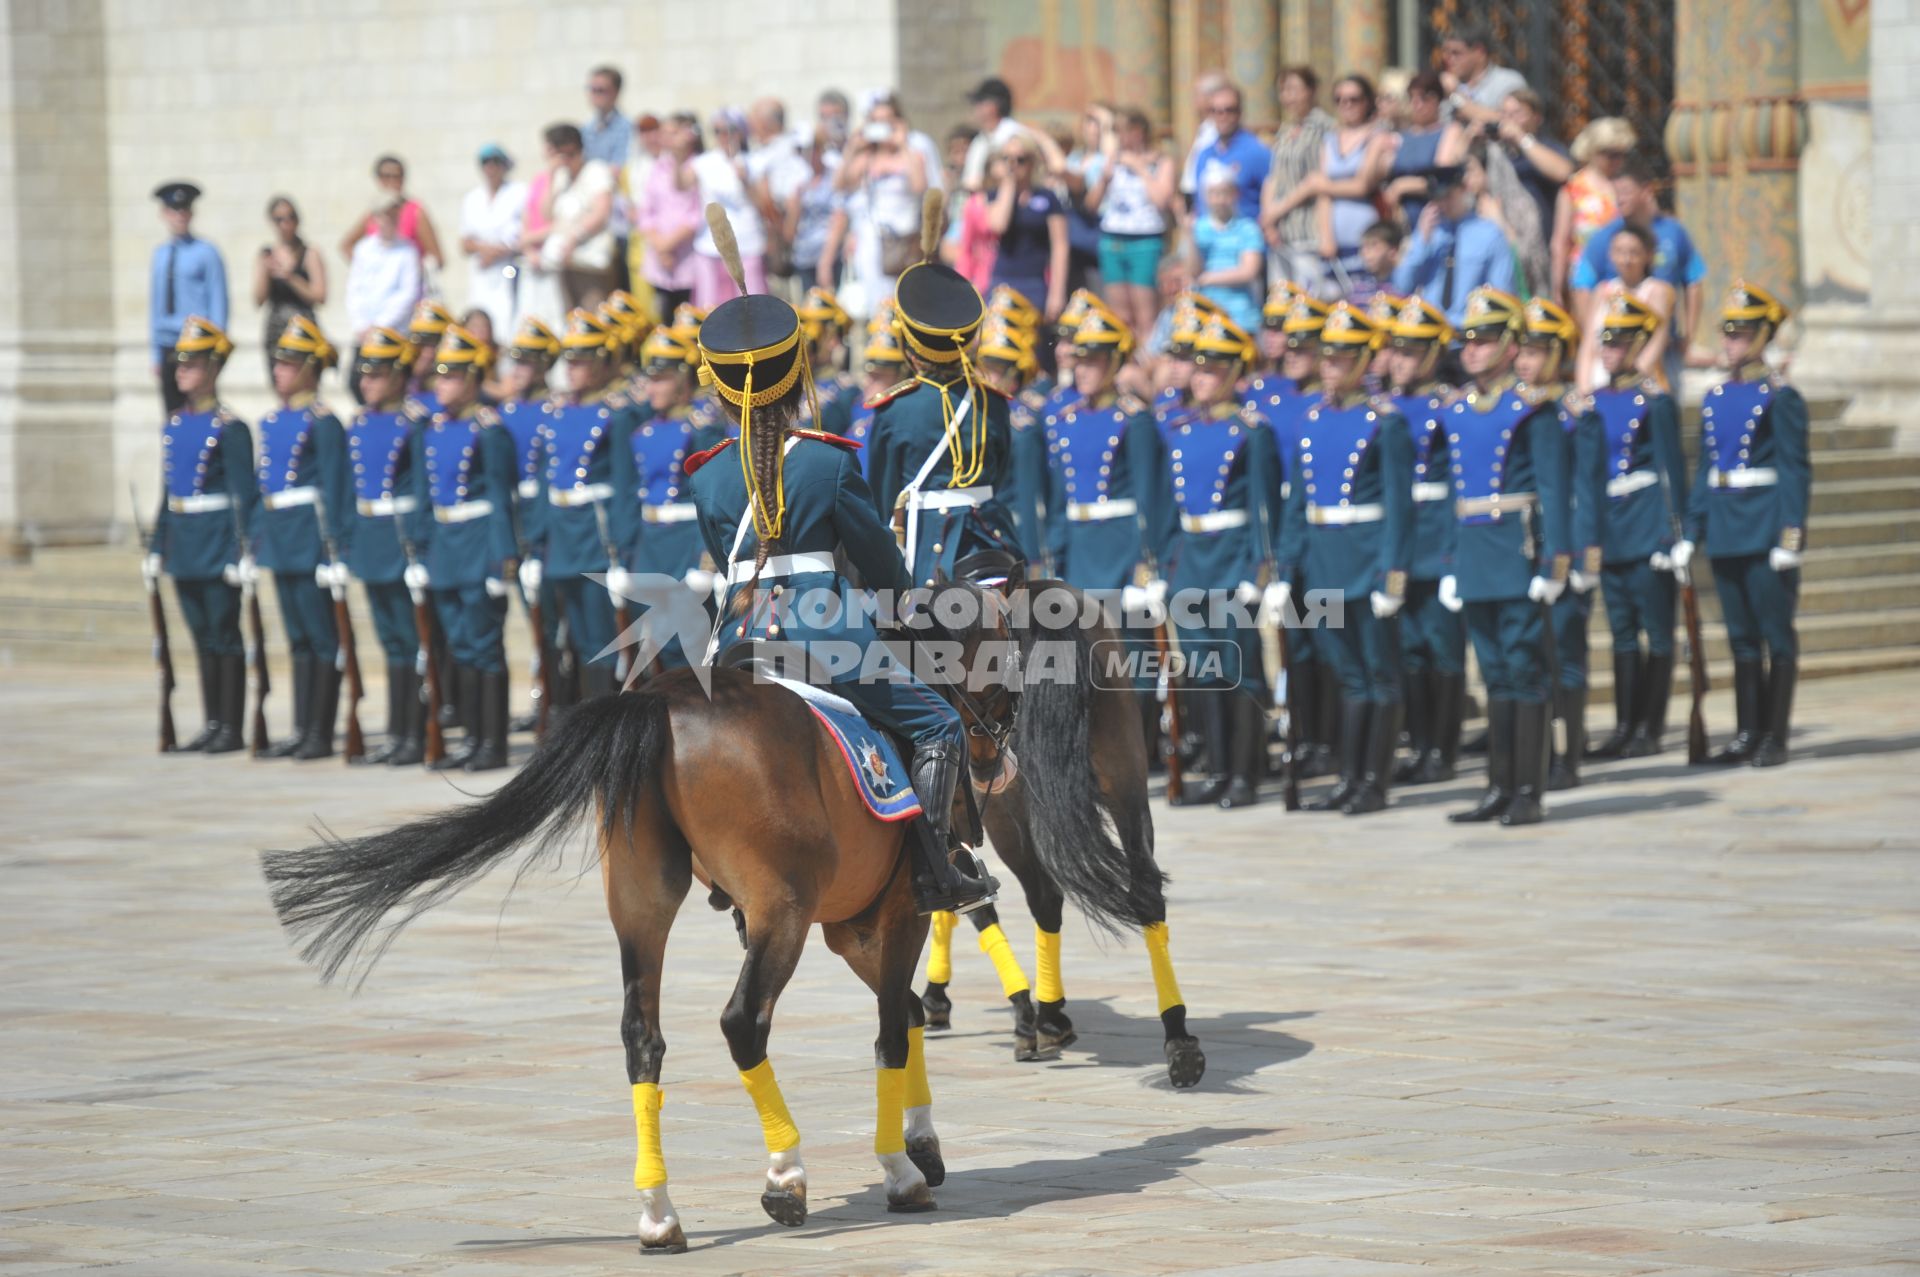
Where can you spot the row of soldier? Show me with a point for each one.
(1433, 513)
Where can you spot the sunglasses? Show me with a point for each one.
(1223, 110)
(1348, 99)
(391, 175)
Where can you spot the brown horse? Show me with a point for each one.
(1073, 825)
(742, 789)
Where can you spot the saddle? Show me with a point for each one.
(992, 569)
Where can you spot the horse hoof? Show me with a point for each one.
(1186, 1063)
(939, 1008)
(926, 1155)
(674, 1245)
(1052, 1029)
(912, 1203)
(1028, 1050)
(784, 1207)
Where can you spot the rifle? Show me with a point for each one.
(356, 743)
(256, 648)
(1176, 781)
(436, 746)
(1290, 778)
(622, 615)
(162, 647)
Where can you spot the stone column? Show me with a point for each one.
(58, 482)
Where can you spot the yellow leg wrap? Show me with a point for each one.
(1046, 966)
(993, 943)
(918, 1092)
(889, 1135)
(1164, 984)
(775, 1122)
(649, 1167)
(940, 954)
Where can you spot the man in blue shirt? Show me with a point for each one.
(606, 134)
(1235, 149)
(188, 278)
(1675, 259)
(1453, 251)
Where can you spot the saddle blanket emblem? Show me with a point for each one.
(870, 754)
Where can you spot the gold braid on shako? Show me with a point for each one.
(750, 355)
(938, 313)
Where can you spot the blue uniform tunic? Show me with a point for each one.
(1285, 405)
(586, 512)
(908, 429)
(1109, 495)
(1026, 498)
(1224, 466)
(664, 540)
(830, 516)
(1506, 445)
(302, 472)
(1434, 637)
(385, 506)
(1586, 497)
(1646, 492)
(1351, 512)
(206, 460)
(464, 472)
(1751, 494)
(838, 396)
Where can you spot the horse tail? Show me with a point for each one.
(333, 896)
(1099, 851)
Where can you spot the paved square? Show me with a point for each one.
(1673, 1030)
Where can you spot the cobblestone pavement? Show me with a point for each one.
(1672, 1031)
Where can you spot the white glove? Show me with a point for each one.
(1277, 602)
(1581, 582)
(496, 588)
(245, 573)
(415, 576)
(1781, 559)
(530, 575)
(1544, 590)
(1386, 605)
(331, 576)
(1157, 593)
(1660, 561)
(699, 580)
(1246, 594)
(1139, 602)
(150, 570)
(618, 581)
(1681, 554)
(1450, 593)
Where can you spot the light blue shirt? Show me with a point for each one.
(199, 288)
(607, 139)
(1221, 248)
(1481, 255)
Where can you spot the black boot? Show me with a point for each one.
(1210, 707)
(1499, 790)
(288, 745)
(396, 715)
(1422, 700)
(1782, 674)
(938, 882)
(492, 753)
(1383, 735)
(1532, 741)
(1353, 743)
(1246, 751)
(410, 749)
(1626, 706)
(466, 699)
(1449, 704)
(1571, 704)
(209, 704)
(1749, 697)
(1656, 688)
(323, 705)
(1304, 701)
(230, 674)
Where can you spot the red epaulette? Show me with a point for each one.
(705, 455)
(893, 392)
(825, 437)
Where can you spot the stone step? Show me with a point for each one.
(1720, 675)
(1834, 563)
(1819, 596)
(1865, 529)
(1857, 496)
(1863, 463)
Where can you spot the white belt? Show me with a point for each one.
(1423, 492)
(1632, 481)
(1213, 521)
(948, 498)
(287, 498)
(462, 512)
(200, 503)
(387, 507)
(672, 512)
(780, 565)
(580, 494)
(1745, 477)
(529, 489)
(1095, 511)
(1340, 515)
(1495, 505)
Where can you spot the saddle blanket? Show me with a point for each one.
(871, 756)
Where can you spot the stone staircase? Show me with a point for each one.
(1859, 602)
